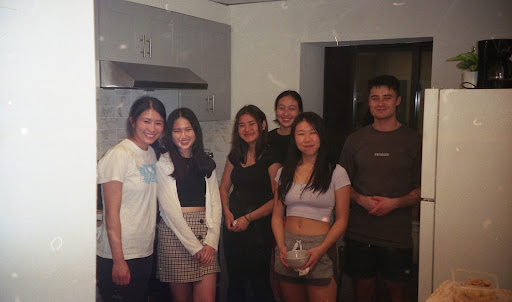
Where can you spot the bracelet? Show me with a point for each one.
(225, 204)
(245, 216)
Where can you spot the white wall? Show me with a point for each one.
(198, 8)
(266, 37)
(47, 153)
(312, 76)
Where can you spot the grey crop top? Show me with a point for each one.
(314, 205)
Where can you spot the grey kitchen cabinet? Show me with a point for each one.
(135, 33)
(205, 48)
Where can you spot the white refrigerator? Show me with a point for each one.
(466, 189)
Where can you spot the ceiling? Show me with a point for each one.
(232, 2)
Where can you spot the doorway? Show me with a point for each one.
(347, 70)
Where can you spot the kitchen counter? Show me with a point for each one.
(444, 293)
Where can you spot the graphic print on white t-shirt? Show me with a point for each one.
(148, 172)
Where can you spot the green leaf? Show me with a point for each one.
(469, 61)
(456, 58)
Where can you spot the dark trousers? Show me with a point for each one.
(248, 262)
(135, 291)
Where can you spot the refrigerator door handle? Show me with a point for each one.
(429, 152)
(426, 250)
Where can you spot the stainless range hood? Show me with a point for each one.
(148, 77)
(231, 2)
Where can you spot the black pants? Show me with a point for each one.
(135, 291)
(248, 262)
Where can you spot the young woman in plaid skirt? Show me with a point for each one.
(188, 194)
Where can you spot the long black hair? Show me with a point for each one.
(321, 176)
(201, 163)
(239, 147)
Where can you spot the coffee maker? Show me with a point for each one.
(494, 65)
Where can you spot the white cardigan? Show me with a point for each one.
(170, 207)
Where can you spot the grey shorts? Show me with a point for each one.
(174, 262)
(322, 272)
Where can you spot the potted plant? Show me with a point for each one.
(469, 64)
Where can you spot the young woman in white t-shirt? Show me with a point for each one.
(127, 173)
(311, 186)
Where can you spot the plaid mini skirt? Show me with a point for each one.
(174, 262)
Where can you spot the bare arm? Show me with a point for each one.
(112, 193)
(342, 202)
(225, 185)
(411, 199)
(278, 214)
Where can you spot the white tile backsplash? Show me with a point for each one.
(217, 138)
(113, 106)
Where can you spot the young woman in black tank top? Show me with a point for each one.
(247, 233)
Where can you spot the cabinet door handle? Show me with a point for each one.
(143, 52)
(213, 104)
(150, 47)
(208, 103)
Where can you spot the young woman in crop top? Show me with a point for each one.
(247, 234)
(188, 194)
(310, 188)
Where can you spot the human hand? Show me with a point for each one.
(283, 253)
(197, 256)
(367, 202)
(229, 219)
(120, 273)
(315, 254)
(241, 224)
(207, 255)
(384, 205)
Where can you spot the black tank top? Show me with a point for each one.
(192, 189)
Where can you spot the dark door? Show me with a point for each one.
(347, 71)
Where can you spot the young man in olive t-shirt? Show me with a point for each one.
(383, 161)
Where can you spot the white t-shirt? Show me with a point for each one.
(136, 169)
